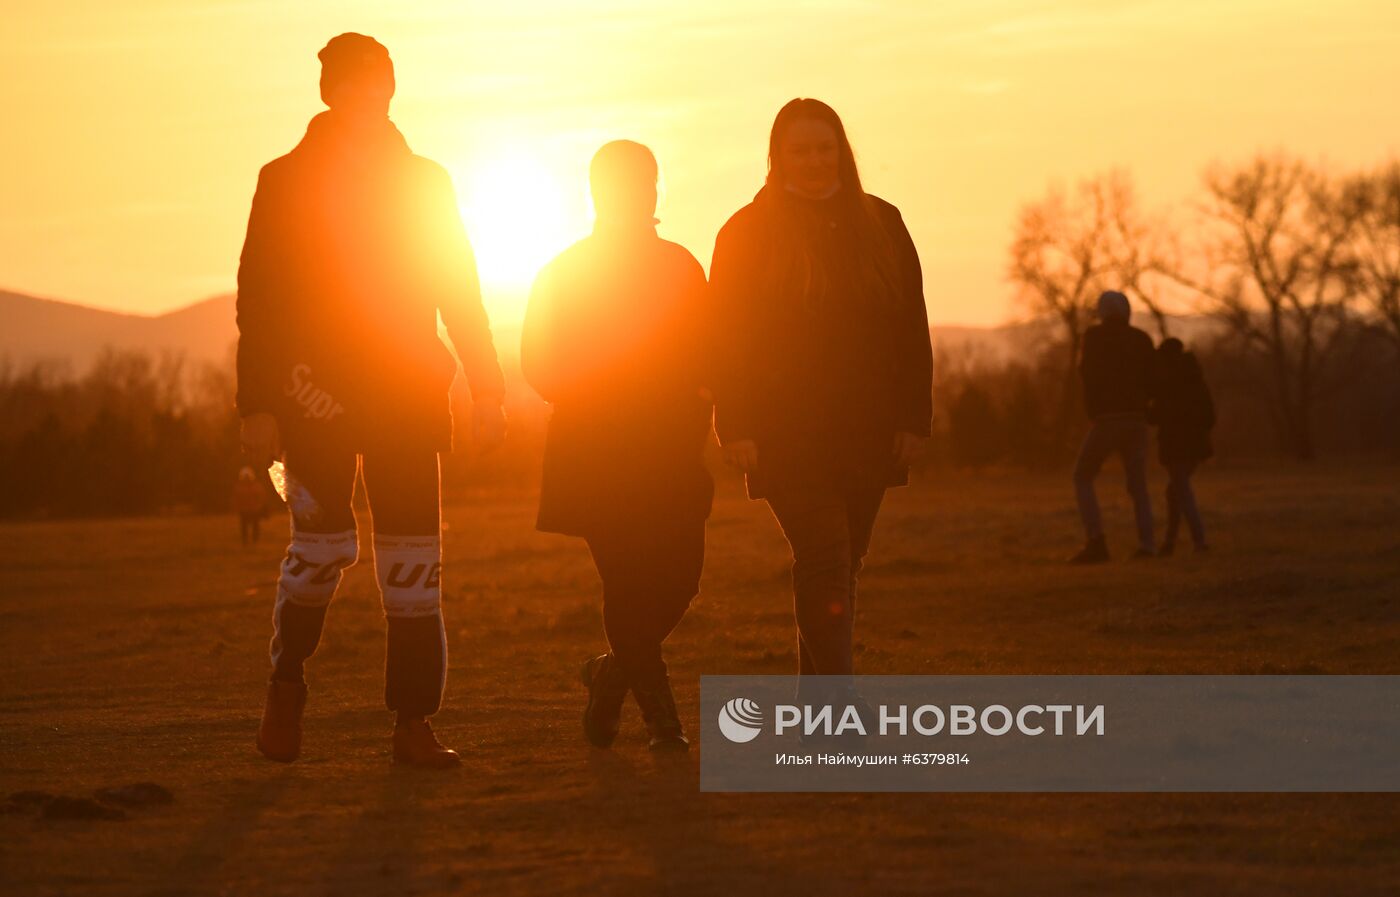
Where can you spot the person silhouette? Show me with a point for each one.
(1116, 367)
(250, 503)
(611, 341)
(823, 364)
(1184, 413)
(354, 247)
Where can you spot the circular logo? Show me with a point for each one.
(740, 720)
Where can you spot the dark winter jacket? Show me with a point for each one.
(613, 340)
(354, 246)
(1116, 366)
(815, 361)
(1183, 412)
(249, 497)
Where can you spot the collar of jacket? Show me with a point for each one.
(784, 202)
(771, 193)
(835, 189)
(328, 132)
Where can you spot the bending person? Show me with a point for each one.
(823, 390)
(354, 247)
(610, 342)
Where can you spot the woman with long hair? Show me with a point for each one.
(823, 380)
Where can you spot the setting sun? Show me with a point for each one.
(993, 103)
(518, 216)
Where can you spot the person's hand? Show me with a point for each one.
(261, 441)
(488, 426)
(907, 448)
(742, 455)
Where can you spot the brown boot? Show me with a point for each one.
(279, 736)
(416, 745)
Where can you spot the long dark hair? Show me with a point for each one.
(876, 251)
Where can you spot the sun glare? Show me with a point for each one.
(517, 218)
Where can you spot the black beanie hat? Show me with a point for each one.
(352, 55)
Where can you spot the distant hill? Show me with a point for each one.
(34, 330)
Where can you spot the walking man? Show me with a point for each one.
(1116, 367)
(354, 247)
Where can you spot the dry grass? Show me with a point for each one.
(135, 650)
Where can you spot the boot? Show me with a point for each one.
(607, 689)
(659, 711)
(279, 735)
(416, 745)
(1095, 551)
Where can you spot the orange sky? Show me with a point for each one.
(135, 129)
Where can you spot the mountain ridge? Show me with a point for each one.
(71, 336)
(40, 330)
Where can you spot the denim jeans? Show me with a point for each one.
(1126, 436)
(1181, 502)
(829, 530)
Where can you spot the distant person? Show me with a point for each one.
(613, 340)
(250, 503)
(824, 366)
(1185, 414)
(354, 247)
(1116, 367)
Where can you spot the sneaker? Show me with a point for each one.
(279, 735)
(1143, 554)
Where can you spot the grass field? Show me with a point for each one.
(136, 650)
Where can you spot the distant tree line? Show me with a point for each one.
(137, 434)
(133, 435)
(992, 411)
(1282, 278)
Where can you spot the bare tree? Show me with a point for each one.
(1279, 272)
(1377, 247)
(1071, 246)
(1145, 254)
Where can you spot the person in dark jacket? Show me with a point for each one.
(354, 248)
(1116, 366)
(823, 381)
(611, 341)
(1184, 413)
(250, 503)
